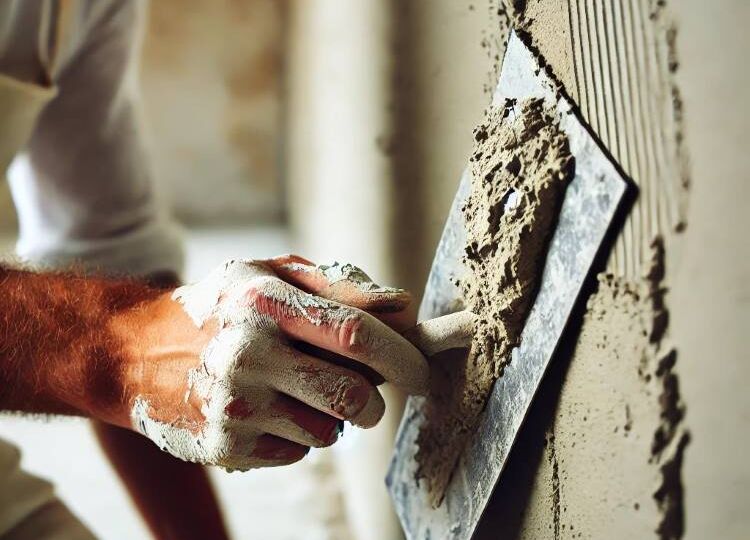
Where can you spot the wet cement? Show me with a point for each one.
(521, 165)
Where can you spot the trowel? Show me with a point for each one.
(594, 202)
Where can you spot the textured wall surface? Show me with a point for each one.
(639, 425)
(614, 436)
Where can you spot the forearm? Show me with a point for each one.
(62, 351)
(58, 352)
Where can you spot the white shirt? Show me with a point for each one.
(80, 180)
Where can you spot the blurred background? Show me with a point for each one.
(338, 130)
(278, 126)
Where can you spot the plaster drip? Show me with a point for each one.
(520, 167)
(670, 438)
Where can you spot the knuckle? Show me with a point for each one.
(252, 346)
(236, 451)
(258, 290)
(233, 351)
(270, 296)
(241, 270)
(352, 333)
(267, 283)
(221, 451)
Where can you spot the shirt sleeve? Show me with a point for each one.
(83, 188)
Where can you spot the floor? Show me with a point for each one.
(258, 504)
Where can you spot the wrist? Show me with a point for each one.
(110, 369)
(158, 344)
(75, 344)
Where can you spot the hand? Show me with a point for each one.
(222, 381)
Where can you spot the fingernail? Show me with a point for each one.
(272, 450)
(371, 413)
(333, 434)
(353, 400)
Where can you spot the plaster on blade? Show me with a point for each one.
(588, 210)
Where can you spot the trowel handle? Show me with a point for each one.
(453, 331)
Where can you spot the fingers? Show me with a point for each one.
(343, 283)
(343, 330)
(287, 418)
(271, 451)
(335, 390)
(398, 320)
(370, 374)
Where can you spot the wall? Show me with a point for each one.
(711, 283)
(639, 426)
(212, 79)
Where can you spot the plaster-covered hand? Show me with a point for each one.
(222, 380)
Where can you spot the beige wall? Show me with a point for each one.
(712, 273)
(212, 95)
(691, 167)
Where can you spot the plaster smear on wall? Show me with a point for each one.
(520, 168)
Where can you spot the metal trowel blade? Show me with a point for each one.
(590, 205)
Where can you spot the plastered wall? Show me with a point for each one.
(710, 283)
(639, 427)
